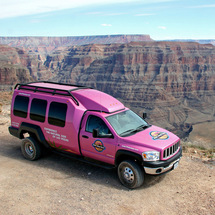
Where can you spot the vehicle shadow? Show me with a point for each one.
(69, 167)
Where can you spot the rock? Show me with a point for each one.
(48, 44)
(13, 67)
(173, 82)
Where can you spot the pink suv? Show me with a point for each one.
(93, 127)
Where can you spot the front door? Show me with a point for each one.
(100, 148)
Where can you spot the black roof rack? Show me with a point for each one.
(55, 91)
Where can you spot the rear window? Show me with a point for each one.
(38, 110)
(57, 114)
(20, 108)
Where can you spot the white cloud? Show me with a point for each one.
(203, 6)
(104, 14)
(162, 27)
(145, 14)
(106, 25)
(15, 8)
(94, 13)
(114, 14)
(35, 21)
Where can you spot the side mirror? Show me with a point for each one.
(144, 115)
(95, 133)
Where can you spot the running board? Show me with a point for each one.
(85, 159)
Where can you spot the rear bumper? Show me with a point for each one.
(13, 131)
(159, 167)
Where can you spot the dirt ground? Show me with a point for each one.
(58, 185)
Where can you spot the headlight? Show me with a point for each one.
(151, 156)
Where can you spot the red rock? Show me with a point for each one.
(173, 81)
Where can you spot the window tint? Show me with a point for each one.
(21, 106)
(38, 110)
(94, 122)
(57, 114)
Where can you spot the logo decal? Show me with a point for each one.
(98, 146)
(157, 135)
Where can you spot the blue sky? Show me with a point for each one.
(161, 19)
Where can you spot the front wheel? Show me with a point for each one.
(130, 174)
(31, 149)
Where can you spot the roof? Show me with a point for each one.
(97, 100)
(53, 85)
(91, 99)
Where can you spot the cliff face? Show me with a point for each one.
(13, 66)
(173, 82)
(197, 41)
(19, 65)
(48, 44)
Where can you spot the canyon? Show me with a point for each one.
(211, 41)
(173, 82)
(48, 44)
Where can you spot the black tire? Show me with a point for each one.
(130, 174)
(31, 150)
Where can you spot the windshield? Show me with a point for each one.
(127, 123)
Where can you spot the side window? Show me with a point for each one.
(38, 110)
(57, 114)
(21, 106)
(94, 122)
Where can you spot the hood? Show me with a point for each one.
(154, 138)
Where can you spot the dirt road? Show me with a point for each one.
(58, 185)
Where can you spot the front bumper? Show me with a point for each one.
(159, 167)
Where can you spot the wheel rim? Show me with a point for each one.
(29, 149)
(128, 175)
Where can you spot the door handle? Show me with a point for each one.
(85, 136)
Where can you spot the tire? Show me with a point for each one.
(31, 150)
(130, 174)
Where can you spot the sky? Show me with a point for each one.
(161, 19)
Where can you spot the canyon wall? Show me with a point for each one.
(202, 41)
(173, 82)
(13, 67)
(48, 44)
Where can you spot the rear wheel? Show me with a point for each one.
(31, 149)
(130, 174)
